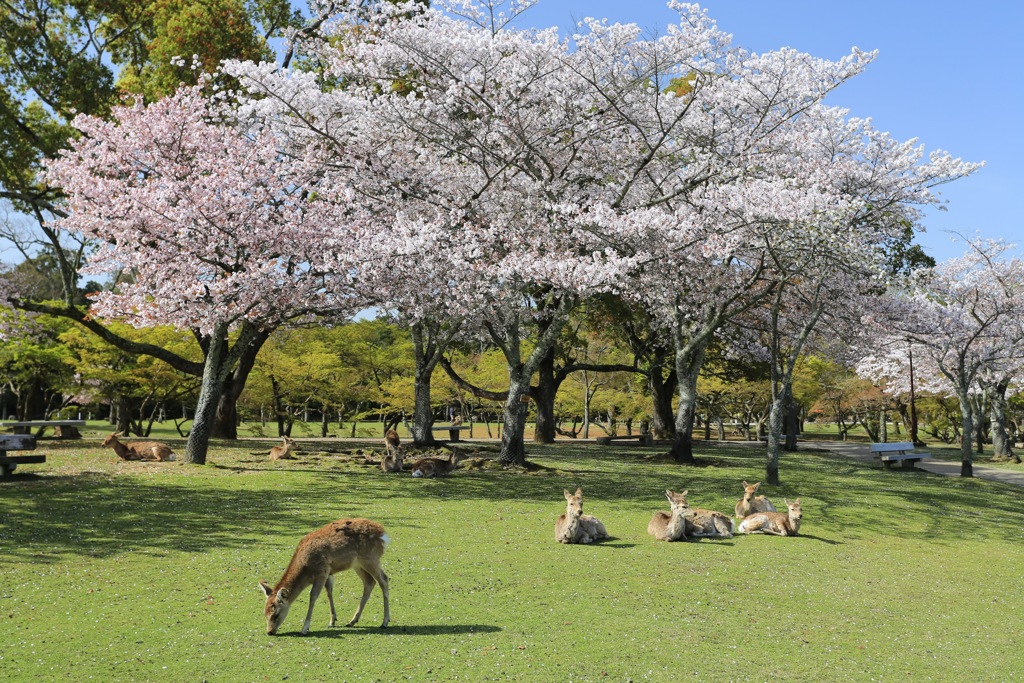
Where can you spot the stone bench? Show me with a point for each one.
(897, 451)
(645, 439)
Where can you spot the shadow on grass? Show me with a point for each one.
(393, 630)
(236, 501)
(829, 541)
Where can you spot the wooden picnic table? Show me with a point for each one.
(16, 442)
(63, 429)
(453, 430)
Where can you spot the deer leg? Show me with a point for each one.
(367, 589)
(329, 584)
(384, 583)
(314, 592)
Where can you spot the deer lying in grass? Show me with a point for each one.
(701, 523)
(576, 527)
(435, 467)
(392, 461)
(670, 527)
(775, 523)
(284, 451)
(139, 450)
(751, 503)
(355, 544)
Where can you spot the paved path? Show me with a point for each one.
(861, 451)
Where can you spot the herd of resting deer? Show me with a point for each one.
(358, 544)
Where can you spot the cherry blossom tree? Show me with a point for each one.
(964, 316)
(547, 170)
(215, 229)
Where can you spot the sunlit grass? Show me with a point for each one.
(147, 571)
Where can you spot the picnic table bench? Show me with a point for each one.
(645, 439)
(16, 442)
(64, 429)
(897, 451)
(453, 430)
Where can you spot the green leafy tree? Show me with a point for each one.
(139, 389)
(35, 368)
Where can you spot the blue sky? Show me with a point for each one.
(948, 73)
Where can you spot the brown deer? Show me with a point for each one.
(576, 527)
(751, 503)
(355, 544)
(435, 467)
(139, 450)
(284, 451)
(775, 523)
(392, 461)
(701, 523)
(670, 527)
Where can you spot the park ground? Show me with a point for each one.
(114, 571)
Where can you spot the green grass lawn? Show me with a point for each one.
(114, 571)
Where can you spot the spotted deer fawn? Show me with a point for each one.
(666, 526)
(355, 544)
(284, 451)
(751, 503)
(392, 461)
(576, 527)
(701, 523)
(435, 467)
(776, 523)
(138, 450)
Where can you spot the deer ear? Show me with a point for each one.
(669, 494)
(787, 501)
(797, 501)
(568, 496)
(745, 484)
(579, 491)
(282, 595)
(265, 587)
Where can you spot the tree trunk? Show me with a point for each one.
(544, 397)
(209, 394)
(513, 442)
(429, 342)
(123, 420)
(792, 418)
(662, 389)
(966, 429)
(776, 417)
(423, 411)
(226, 420)
(688, 363)
(1002, 449)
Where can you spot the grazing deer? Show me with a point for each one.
(139, 450)
(750, 503)
(670, 527)
(284, 451)
(392, 461)
(775, 523)
(701, 523)
(576, 527)
(435, 467)
(355, 544)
